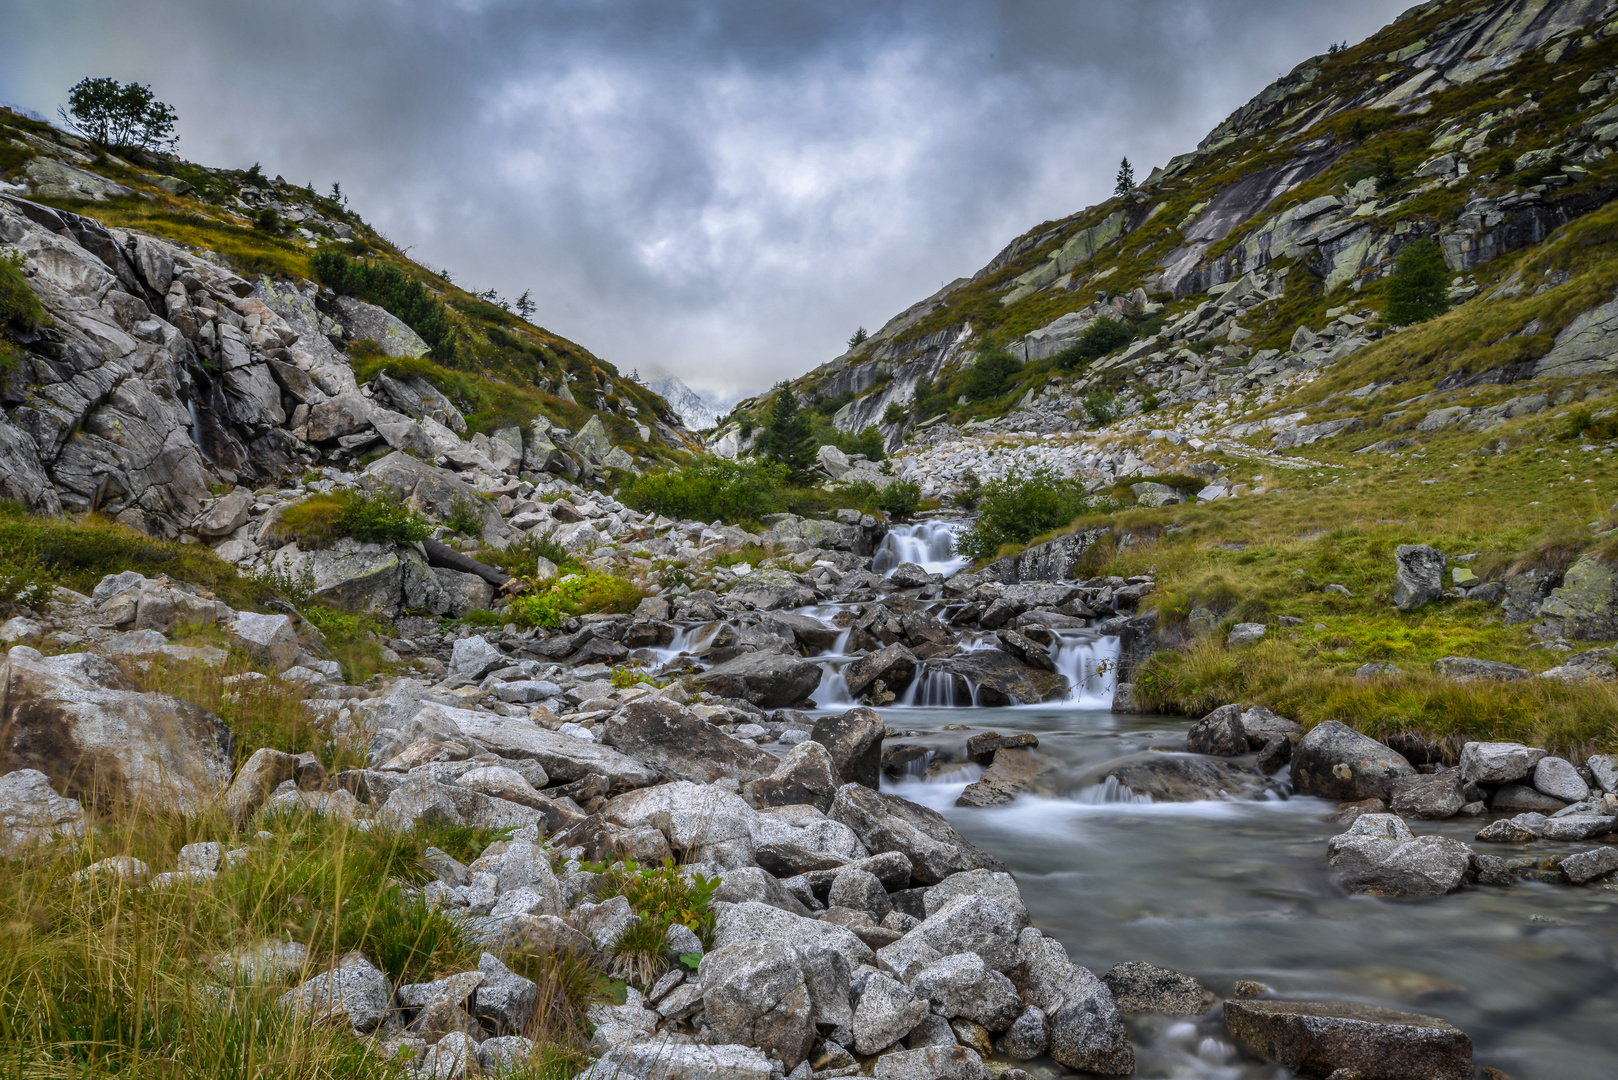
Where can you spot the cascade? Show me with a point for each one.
(928, 544)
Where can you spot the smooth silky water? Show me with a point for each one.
(1228, 891)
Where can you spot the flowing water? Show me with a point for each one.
(928, 544)
(1228, 891)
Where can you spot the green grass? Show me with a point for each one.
(573, 594)
(320, 520)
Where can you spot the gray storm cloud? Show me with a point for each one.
(718, 190)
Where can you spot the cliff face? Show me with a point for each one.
(1483, 125)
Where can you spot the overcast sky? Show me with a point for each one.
(719, 190)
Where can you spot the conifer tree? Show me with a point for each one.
(788, 436)
(1126, 178)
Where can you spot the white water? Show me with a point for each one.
(1090, 664)
(928, 544)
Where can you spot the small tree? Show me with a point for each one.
(525, 304)
(109, 113)
(858, 338)
(788, 437)
(1126, 178)
(990, 376)
(1419, 287)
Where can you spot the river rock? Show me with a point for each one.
(1220, 733)
(895, 665)
(854, 739)
(961, 985)
(1558, 778)
(973, 924)
(1003, 679)
(668, 1059)
(1604, 767)
(659, 731)
(707, 823)
(932, 1063)
(1577, 826)
(1432, 795)
(1378, 855)
(889, 823)
(1498, 762)
(806, 775)
(1138, 987)
(79, 720)
(752, 921)
(1333, 761)
(1086, 1031)
(31, 813)
(769, 589)
(886, 1013)
(1418, 575)
(1587, 866)
(354, 992)
(998, 887)
(1014, 772)
(1515, 830)
(770, 680)
(1028, 1036)
(1513, 797)
(564, 758)
(1317, 1038)
(754, 994)
(1183, 778)
(1262, 725)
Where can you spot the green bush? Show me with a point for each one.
(715, 490)
(364, 516)
(19, 306)
(1018, 507)
(1100, 405)
(386, 285)
(867, 441)
(23, 584)
(1102, 336)
(404, 936)
(900, 498)
(989, 377)
(1419, 287)
(268, 221)
(574, 594)
(465, 517)
(894, 413)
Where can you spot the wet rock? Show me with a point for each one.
(770, 589)
(1379, 855)
(354, 992)
(1514, 797)
(854, 739)
(1578, 826)
(1471, 669)
(961, 985)
(1497, 762)
(1515, 830)
(932, 1063)
(1014, 772)
(1274, 755)
(1558, 778)
(659, 731)
(1086, 1031)
(1028, 1036)
(894, 665)
(1143, 988)
(886, 1013)
(755, 995)
(1317, 1038)
(1434, 796)
(886, 823)
(1418, 576)
(667, 1059)
(1002, 678)
(79, 720)
(1333, 761)
(806, 775)
(1220, 733)
(1183, 778)
(982, 748)
(770, 680)
(32, 814)
(1587, 866)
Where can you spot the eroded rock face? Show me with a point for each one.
(31, 813)
(1317, 1038)
(1418, 576)
(770, 680)
(78, 719)
(1334, 761)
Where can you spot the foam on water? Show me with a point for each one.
(928, 544)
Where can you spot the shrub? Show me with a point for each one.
(23, 584)
(386, 285)
(405, 937)
(712, 491)
(19, 306)
(1018, 507)
(788, 437)
(1418, 290)
(900, 498)
(521, 558)
(1100, 405)
(112, 114)
(268, 221)
(574, 594)
(465, 517)
(894, 413)
(989, 377)
(365, 516)
(1102, 336)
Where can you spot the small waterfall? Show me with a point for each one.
(688, 637)
(196, 431)
(928, 544)
(1090, 663)
(1110, 791)
(832, 693)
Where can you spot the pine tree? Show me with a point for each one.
(788, 436)
(525, 304)
(1419, 287)
(1126, 178)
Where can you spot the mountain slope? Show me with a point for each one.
(697, 413)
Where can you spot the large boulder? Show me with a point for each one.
(31, 813)
(895, 665)
(683, 745)
(1013, 772)
(1145, 988)
(1585, 606)
(374, 578)
(753, 921)
(362, 320)
(1433, 795)
(1334, 761)
(1418, 575)
(707, 823)
(755, 994)
(667, 1059)
(1220, 733)
(565, 758)
(79, 720)
(1002, 679)
(769, 588)
(854, 739)
(1318, 1038)
(806, 776)
(770, 680)
(1498, 762)
(435, 492)
(354, 993)
(889, 823)
(1379, 855)
(961, 985)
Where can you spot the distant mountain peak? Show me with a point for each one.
(696, 411)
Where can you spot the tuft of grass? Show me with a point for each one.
(322, 519)
(19, 306)
(574, 594)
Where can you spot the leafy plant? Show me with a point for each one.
(111, 114)
(1418, 290)
(1104, 335)
(1100, 405)
(23, 584)
(386, 285)
(716, 490)
(894, 413)
(268, 221)
(989, 377)
(465, 517)
(574, 594)
(1018, 507)
(365, 516)
(900, 498)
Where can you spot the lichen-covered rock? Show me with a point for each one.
(1144, 988)
(1585, 606)
(1334, 761)
(1418, 575)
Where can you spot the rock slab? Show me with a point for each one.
(1317, 1038)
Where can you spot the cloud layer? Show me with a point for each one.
(721, 190)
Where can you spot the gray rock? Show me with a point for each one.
(932, 1063)
(806, 776)
(453, 1057)
(1001, 678)
(886, 1013)
(32, 814)
(1585, 605)
(1182, 778)
(421, 798)
(1578, 826)
(1418, 575)
(975, 924)
(1470, 669)
(770, 680)
(1261, 725)
(1497, 762)
(526, 691)
(997, 886)
(1558, 778)
(1517, 830)
(462, 592)
(1317, 1038)
(854, 739)
(740, 923)
(1220, 733)
(1433, 795)
(1245, 634)
(1028, 1036)
(1604, 767)
(861, 891)
(1143, 988)
(363, 320)
(755, 994)
(932, 1031)
(474, 657)
(270, 639)
(960, 985)
(1334, 761)
(741, 884)
(354, 993)
(682, 745)
(894, 665)
(79, 720)
(503, 783)
(666, 1059)
(1587, 866)
(504, 1053)
(259, 775)
(1086, 1031)
(565, 759)
(708, 824)
(888, 823)
(770, 589)
(1378, 855)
